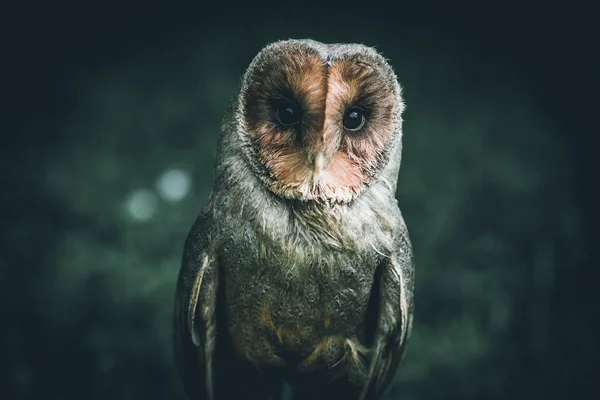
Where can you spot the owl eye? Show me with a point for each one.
(288, 114)
(354, 119)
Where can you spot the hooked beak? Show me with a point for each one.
(320, 163)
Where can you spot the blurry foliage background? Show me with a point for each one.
(118, 113)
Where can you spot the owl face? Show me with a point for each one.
(319, 120)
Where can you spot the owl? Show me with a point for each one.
(298, 273)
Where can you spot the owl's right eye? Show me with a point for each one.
(288, 114)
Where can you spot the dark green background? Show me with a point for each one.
(496, 186)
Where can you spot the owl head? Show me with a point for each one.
(320, 122)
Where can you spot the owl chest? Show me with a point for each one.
(284, 305)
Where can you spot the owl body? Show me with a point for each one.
(298, 269)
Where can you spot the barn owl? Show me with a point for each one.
(299, 269)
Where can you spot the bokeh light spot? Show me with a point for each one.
(173, 185)
(142, 204)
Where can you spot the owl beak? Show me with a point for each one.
(320, 163)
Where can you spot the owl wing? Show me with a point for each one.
(195, 316)
(394, 320)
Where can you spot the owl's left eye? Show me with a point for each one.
(354, 119)
(288, 114)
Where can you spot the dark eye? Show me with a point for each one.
(288, 114)
(354, 119)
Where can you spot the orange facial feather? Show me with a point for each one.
(324, 93)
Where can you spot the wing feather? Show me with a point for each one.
(394, 323)
(195, 316)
